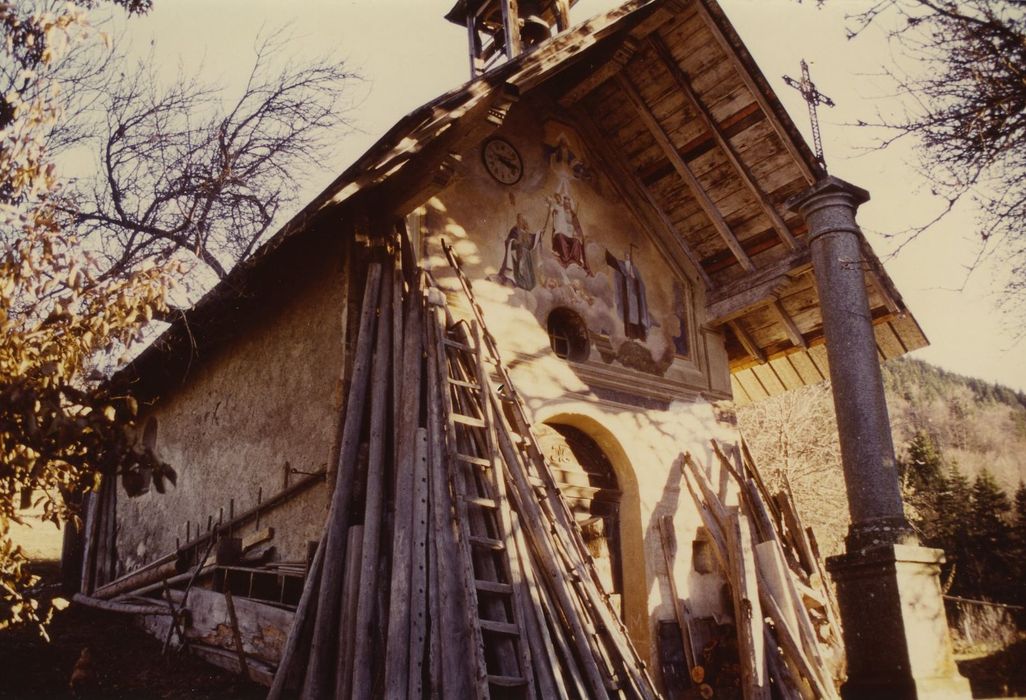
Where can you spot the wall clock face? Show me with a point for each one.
(502, 161)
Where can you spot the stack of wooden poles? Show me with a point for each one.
(449, 564)
(788, 634)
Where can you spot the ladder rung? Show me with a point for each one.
(493, 587)
(469, 420)
(482, 502)
(487, 543)
(506, 681)
(471, 459)
(463, 383)
(497, 627)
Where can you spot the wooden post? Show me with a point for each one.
(319, 675)
(406, 526)
(236, 635)
(365, 633)
(89, 551)
(305, 612)
(418, 592)
(347, 660)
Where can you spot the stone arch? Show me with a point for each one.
(634, 577)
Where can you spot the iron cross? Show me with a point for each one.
(813, 97)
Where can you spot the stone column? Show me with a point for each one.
(895, 630)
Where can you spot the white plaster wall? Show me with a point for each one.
(643, 420)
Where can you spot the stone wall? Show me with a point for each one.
(266, 399)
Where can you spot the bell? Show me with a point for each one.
(534, 29)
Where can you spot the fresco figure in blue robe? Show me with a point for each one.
(630, 296)
(518, 259)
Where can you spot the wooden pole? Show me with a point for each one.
(350, 600)
(319, 673)
(89, 551)
(406, 527)
(305, 612)
(363, 656)
(236, 635)
(418, 592)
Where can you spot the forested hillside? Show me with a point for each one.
(961, 446)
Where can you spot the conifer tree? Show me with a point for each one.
(990, 537)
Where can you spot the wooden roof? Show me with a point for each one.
(676, 111)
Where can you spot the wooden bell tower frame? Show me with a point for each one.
(494, 27)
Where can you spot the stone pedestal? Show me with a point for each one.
(895, 630)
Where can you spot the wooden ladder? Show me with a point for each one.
(491, 569)
(600, 621)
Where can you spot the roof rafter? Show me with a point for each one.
(790, 328)
(757, 93)
(683, 82)
(682, 168)
(750, 346)
(629, 186)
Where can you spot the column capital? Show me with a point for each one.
(826, 191)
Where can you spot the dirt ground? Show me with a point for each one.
(126, 662)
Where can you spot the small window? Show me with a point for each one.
(568, 335)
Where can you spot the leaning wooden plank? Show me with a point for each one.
(546, 663)
(350, 600)
(377, 463)
(305, 611)
(418, 593)
(236, 635)
(126, 608)
(92, 510)
(747, 610)
(667, 540)
(792, 648)
(538, 537)
(406, 528)
(457, 676)
(319, 673)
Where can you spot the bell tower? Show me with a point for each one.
(499, 30)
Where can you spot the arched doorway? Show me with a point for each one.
(588, 482)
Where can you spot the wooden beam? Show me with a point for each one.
(757, 93)
(746, 342)
(685, 173)
(705, 116)
(745, 301)
(511, 26)
(562, 15)
(631, 190)
(787, 322)
(754, 290)
(623, 53)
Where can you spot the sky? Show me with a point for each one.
(408, 54)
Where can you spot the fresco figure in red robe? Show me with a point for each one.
(567, 234)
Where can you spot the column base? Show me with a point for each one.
(895, 629)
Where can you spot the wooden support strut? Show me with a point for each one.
(682, 168)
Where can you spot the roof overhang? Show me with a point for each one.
(674, 108)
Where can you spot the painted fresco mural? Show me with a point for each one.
(560, 239)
